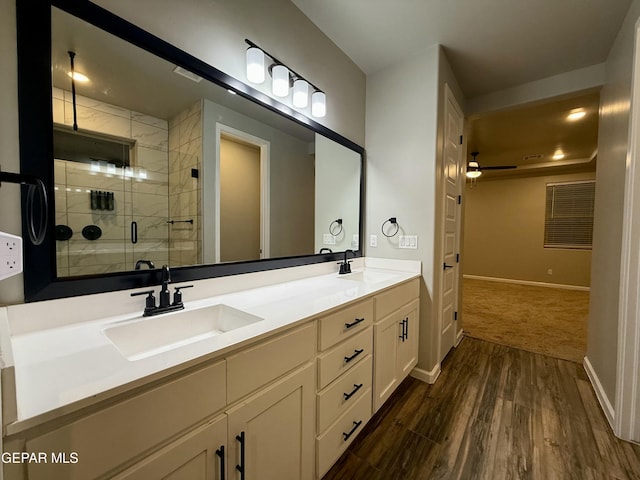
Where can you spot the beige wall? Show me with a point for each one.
(504, 233)
(239, 201)
(214, 32)
(615, 99)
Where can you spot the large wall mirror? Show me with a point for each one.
(155, 158)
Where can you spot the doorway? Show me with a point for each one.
(242, 196)
(519, 288)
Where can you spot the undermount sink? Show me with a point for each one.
(367, 276)
(148, 336)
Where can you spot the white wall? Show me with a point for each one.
(214, 32)
(404, 143)
(615, 99)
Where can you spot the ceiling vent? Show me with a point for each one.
(187, 74)
(534, 156)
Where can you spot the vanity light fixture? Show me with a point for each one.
(284, 78)
(255, 65)
(280, 76)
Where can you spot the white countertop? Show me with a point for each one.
(70, 366)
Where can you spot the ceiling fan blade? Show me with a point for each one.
(499, 167)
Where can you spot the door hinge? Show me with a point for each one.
(460, 139)
(457, 258)
(455, 315)
(459, 199)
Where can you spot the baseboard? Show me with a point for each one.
(426, 376)
(607, 408)
(527, 282)
(459, 336)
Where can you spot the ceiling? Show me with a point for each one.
(529, 137)
(492, 45)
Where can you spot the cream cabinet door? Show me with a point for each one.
(408, 340)
(199, 455)
(385, 372)
(271, 434)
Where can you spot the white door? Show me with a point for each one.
(453, 182)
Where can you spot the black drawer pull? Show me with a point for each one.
(356, 387)
(357, 352)
(220, 453)
(355, 427)
(241, 467)
(354, 323)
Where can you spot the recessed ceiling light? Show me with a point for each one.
(576, 114)
(230, 91)
(78, 77)
(558, 155)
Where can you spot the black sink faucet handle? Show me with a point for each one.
(150, 301)
(177, 295)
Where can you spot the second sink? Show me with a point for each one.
(148, 336)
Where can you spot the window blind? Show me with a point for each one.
(569, 215)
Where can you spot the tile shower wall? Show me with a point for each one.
(185, 163)
(140, 196)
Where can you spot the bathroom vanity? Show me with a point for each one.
(274, 381)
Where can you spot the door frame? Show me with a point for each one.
(265, 210)
(626, 423)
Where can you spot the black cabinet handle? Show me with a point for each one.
(220, 453)
(401, 336)
(357, 352)
(241, 467)
(446, 265)
(134, 232)
(354, 323)
(356, 387)
(406, 328)
(355, 427)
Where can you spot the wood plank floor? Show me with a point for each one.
(495, 413)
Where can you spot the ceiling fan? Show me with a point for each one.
(474, 170)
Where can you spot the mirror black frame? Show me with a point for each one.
(33, 21)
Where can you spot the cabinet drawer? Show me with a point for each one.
(121, 432)
(256, 366)
(337, 438)
(334, 400)
(396, 297)
(340, 325)
(342, 357)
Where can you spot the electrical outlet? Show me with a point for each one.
(373, 240)
(328, 239)
(408, 241)
(10, 255)
(549, 272)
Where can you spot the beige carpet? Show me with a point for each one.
(551, 321)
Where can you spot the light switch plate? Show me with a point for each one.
(10, 255)
(328, 239)
(373, 240)
(408, 241)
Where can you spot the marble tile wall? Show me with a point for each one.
(141, 193)
(185, 154)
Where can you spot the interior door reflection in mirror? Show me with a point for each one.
(168, 168)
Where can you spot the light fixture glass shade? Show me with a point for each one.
(255, 65)
(473, 173)
(300, 93)
(280, 86)
(318, 104)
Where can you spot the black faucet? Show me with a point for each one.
(325, 250)
(165, 296)
(148, 263)
(345, 266)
